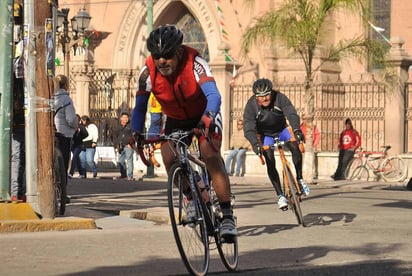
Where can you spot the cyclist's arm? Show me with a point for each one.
(207, 83)
(144, 88)
(283, 102)
(249, 121)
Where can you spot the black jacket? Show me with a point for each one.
(271, 120)
(122, 135)
(79, 135)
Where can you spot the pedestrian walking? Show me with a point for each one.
(90, 144)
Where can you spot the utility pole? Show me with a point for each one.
(6, 51)
(45, 134)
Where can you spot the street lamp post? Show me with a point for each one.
(79, 23)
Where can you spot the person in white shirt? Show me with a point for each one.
(90, 144)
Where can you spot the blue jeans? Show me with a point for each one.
(87, 160)
(126, 162)
(76, 161)
(18, 185)
(240, 157)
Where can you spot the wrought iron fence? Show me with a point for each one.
(111, 93)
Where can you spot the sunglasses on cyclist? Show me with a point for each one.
(163, 55)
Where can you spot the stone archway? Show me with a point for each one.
(130, 47)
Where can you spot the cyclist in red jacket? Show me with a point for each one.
(349, 142)
(183, 84)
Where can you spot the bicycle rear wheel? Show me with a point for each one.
(190, 236)
(293, 196)
(394, 169)
(60, 183)
(350, 171)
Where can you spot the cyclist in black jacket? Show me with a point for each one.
(264, 118)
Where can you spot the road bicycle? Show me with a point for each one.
(290, 187)
(196, 237)
(390, 168)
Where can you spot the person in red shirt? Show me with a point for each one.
(349, 141)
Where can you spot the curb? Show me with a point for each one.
(57, 224)
(156, 214)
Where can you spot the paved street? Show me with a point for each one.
(352, 229)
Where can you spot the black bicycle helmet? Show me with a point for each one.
(164, 41)
(262, 87)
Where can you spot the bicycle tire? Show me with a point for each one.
(293, 197)
(191, 237)
(361, 173)
(350, 169)
(394, 169)
(60, 183)
(228, 252)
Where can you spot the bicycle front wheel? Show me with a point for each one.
(361, 173)
(190, 236)
(394, 169)
(60, 183)
(293, 196)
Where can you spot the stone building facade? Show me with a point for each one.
(119, 29)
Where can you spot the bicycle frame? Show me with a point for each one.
(290, 187)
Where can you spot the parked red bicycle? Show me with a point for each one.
(389, 168)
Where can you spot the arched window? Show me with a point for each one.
(193, 35)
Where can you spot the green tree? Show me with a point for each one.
(298, 26)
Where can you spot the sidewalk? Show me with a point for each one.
(106, 201)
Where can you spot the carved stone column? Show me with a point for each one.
(123, 97)
(82, 69)
(400, 60)
(81, 72)
(222, 72)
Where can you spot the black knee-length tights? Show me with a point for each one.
(271, 165)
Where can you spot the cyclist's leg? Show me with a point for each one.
(296, 158)
(297, 162)
(273, 174)
(210, 152)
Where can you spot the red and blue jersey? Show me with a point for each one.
(186, 95)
